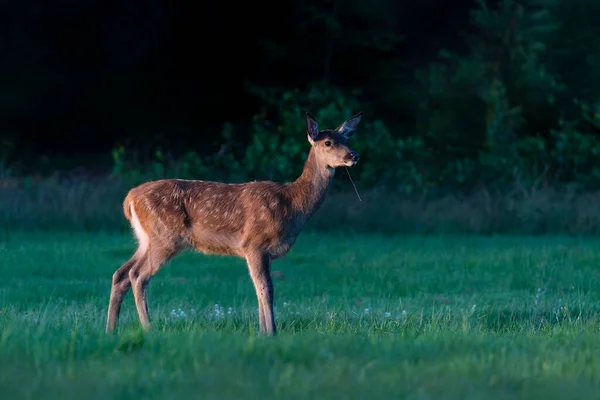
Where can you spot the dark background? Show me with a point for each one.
(80, 79)
(79, 76)
(480, 116)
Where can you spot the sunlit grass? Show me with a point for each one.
(358, 317)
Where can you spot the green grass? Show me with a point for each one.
(359, 317)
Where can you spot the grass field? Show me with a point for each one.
(359, 317)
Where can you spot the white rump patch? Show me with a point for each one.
(140, 233)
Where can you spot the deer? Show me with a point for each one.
(258, 221)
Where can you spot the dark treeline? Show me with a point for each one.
(78, 77)
(453, 92)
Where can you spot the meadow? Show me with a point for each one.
(359, 316)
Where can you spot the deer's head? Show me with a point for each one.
(331, 145)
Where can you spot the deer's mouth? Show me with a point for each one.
(351, 159)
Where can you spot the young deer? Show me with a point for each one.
(258, 221)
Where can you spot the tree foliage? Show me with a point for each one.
(512, 95)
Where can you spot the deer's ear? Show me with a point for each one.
(348, 127)
(312, 128)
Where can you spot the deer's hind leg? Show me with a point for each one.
(119, 288)
(150, 263)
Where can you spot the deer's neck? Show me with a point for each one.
(309, 190)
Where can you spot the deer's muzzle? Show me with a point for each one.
(353, 156)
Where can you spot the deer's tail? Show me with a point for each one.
(127, 207)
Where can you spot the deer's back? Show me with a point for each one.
(216, 217)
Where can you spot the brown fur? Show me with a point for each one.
(258, 221)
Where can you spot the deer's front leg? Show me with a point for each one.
(259, 266)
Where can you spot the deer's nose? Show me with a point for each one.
(354, 156)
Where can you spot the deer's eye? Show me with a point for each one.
(328, 143)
